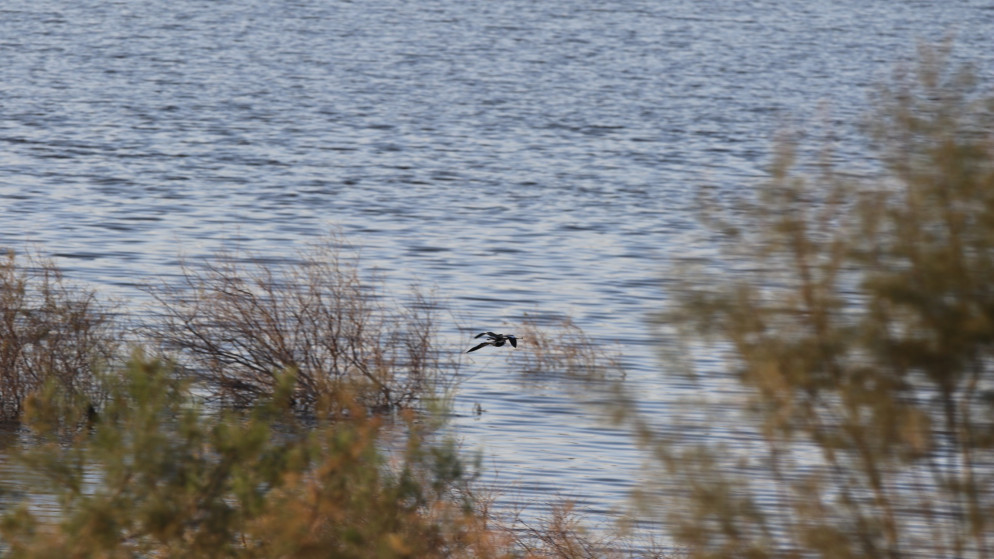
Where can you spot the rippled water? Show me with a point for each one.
(525, 156)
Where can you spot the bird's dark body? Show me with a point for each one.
(496, 340)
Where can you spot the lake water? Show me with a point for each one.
(525, 156)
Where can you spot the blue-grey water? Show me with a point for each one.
(525, 156)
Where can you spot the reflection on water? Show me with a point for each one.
(526, 157)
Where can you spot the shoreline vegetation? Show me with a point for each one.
(860, 337)
(249, 421)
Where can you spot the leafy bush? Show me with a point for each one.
(862, 327)
(158, 476)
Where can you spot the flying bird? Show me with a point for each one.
(495, 340)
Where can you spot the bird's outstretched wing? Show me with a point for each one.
(513, 340)
(481, 334)
(478, 347)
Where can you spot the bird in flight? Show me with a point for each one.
(495, 340)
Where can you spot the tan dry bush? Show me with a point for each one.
(565, 533)
(562, 535)
(239, 323)
(51, 332)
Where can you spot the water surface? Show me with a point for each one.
(524, 156)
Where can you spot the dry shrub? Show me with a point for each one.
(562, 535)
(51, 333)
(565, 533)
(240, 323)
(563, 349)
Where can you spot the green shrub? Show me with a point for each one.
(860, 321)
(158, 476)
